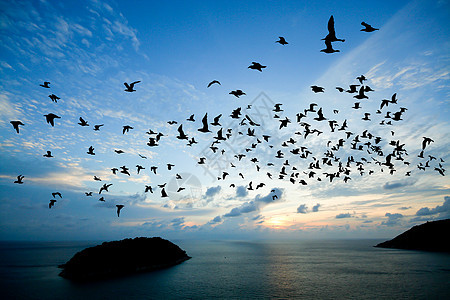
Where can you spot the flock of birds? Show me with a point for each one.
(369, 154)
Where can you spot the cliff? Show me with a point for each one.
(431, 236)
(118, 258)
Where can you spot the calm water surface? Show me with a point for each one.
(340, 269)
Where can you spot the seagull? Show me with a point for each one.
(361, 78)
(281, 41)
(213, 82)
(50, 118)
(126, 128)
(317, 89)
(105, 187)
(361, 94)
(191, 118)
(56, 194)
(139, 168)
(181, 135)
(97, 127)
(83, 122)
(148, 188)
(205, 124)
(216, 121)
(170, 166)
(237, 93)
(202, 160)
(163, 193)
(19, 179)
(367, 27)
(48, 154)
(119, 151)
(129, 88)
(54, 98)
(52, 203)
(88, 194)
(101, 199)
(331, 36)
(91, 151)
(426, 141)
(97, 178)
(16, 124)
(119, 208)
(45, 85)
(256, 66)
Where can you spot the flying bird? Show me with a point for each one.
(367, 27)
(97, 127)
(52, 203)
(54, 98)
(48, 154)
(126, 128)
(45, 85)
(91, 151)
(129, 87)
(281, 41)
(317, 89)
(56, 194)
(119, 208)
(205, 124)
(213, 82)
(16, 124)
(256, 66)
(237, 93)
(181, 135)
(50, 118)
(105, 188)
(191, 118)
(83, 122)
(19, 179)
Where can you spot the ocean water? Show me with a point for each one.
(331, 269)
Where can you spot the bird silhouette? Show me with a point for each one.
(97, 178)
(50, 118)
(126, 128)
(88, 194)
(216, 121)
(426, 141)
(139, 168)
(54, 98)
(19, 179)
(367, 27)
(204, 129)
(83, 122)
(56, 194)
(163, 193)
(48, 154)
(317, 89)
(91, 151)
(237, 93)
(191, 118)
(52, 203)
(129, 87)
(105, 188)
(118, 151)
(97, 127)
(361, 94)
(256, 66)
(119, 208)
(46, 84)
(16, 124)
(181, 135)
(213, 82)
(281, 41)
(148, 188)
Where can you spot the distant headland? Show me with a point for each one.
(124, 257)
(430, 236)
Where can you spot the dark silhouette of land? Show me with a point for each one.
(431, 236)
(125, 257)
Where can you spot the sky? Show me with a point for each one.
(88, 49)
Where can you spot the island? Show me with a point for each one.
(124, 257)
(430, 236)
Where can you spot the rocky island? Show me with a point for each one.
(431, 236)
(125, 257)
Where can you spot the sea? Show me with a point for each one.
(293, 269)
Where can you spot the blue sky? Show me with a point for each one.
(88, 49)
